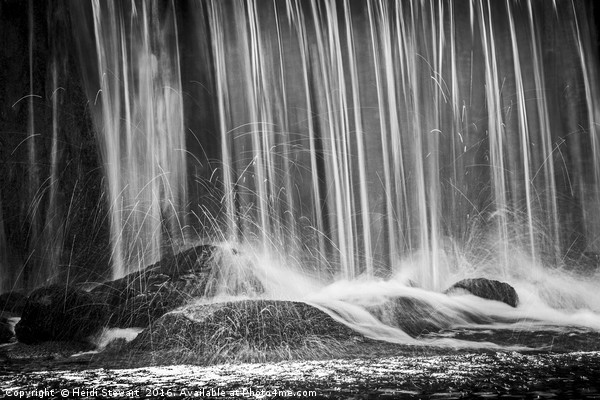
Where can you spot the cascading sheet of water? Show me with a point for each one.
(368, 149)
(132, 72)
(363, 132)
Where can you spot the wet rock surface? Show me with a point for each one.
(413, 316)
(144, 308)
(487, 289)
(49, 354)
(246, 330)
(142, 297)
(418, 318)
(68, 313)
(185, 272)
(60, 313)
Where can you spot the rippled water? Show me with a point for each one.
(474, 375)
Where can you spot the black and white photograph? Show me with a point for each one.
(312, 199)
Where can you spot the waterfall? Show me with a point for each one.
(346, 138)
(357, 134)
(354, 134)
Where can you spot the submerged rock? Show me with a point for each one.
(60, 313)
(242, 328)
(414, 316)
(487, 289)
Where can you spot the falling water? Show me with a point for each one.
(139, 117)
(363, 133)
(33, 177)
(356, 134)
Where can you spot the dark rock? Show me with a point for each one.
(141, 297)
(12, 302)
(60, 313)
(46, 354)
(141, 310)
(241, 326)
(487, 289)
(415, 317)
(186, 271)
(6, 332)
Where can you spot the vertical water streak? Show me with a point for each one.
(229, 187)
(144, 185)
(110, 119)
(551, 206)
(177, 199)
(288, 227)
(380, 43)
(140, 118)
(417, 131)
(297, 19)
(347, 211)
(326, 82)
(459, 128)
(592, 105)
(363, 182)
(495, 131)
(53, 223)
(248, 34)
(523, 132)
(32, 274)
(434, 131)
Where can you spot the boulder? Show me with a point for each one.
(186, 272)
(143, 309)
(487, 289)
(59, 312)
(12, 302)
(141, 297)
(136, 300)
(414, 316)
(213, 331)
